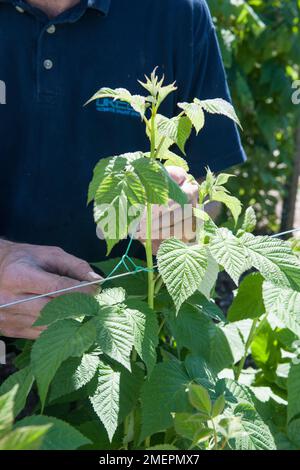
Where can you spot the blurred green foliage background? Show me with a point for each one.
(260, 44)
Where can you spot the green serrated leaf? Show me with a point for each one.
(175, 191)
(6, 410)
(115, 335)
(256, 434)
(130, 388)
(234, 392)
(105, 400)
(60, 341)
(223, 178)
(200, 399)
(73, 374)
(24, 380)
(182, 268)
(265, 350)
(113, 296)
(229, 252)
(231, 202)
(137, 102)
(284, 304)
(234, 336)
(164, 393)
(218, 406)
(274, 259)
(106, 167)
(195, 114)
(207, 307)
(171, 159)
(115, 197)
(248, 303)
(177, 129)
(210, 277)
(145, 330)
(103, 167)
(27, 438)
(60, 435)
(164, 91)
(199, 372)
(153, 178)
(293, 387)
(194, 330)
(219, 106)
(294, 433)
(186, 425)
(249, 222)
(67, 306)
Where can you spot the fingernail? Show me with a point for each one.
(93, 276)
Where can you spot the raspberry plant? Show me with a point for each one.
(151, 361)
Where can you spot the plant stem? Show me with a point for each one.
(223, 444)
(247, 346)
(126, 427)
(149, 256)
(152, 134)
(160, 146)
(158, 284)
(215, 434)
(161, 326)
(134, 355)
(148, 442)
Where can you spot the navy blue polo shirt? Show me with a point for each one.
(49, 142)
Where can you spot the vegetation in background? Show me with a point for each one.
(260, 44)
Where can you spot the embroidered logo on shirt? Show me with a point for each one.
(2, 92)
(108, 105)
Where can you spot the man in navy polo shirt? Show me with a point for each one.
(54, 54)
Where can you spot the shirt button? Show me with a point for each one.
(19, 9)
(48, 64)
(51, 29)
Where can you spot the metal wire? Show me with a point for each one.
(69, 289)
(109, 278)
(286, 233)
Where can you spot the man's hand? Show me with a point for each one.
(27, 270)
(172, 220)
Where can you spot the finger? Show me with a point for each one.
(64, 264)
(34, 280)
(17, 321)
(26, 333)
(177, 173)
(30, 307)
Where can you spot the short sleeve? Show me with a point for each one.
(218, 145)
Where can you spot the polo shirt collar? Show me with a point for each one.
(100, 5)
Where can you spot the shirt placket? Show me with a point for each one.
(47, 65)
(49, 51)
